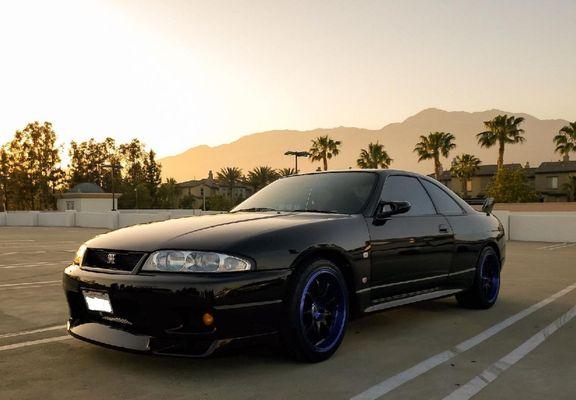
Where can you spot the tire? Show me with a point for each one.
(317, 312)
(484, 292)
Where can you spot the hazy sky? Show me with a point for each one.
(180, 73)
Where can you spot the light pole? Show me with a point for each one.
(113, 167)
(296, 154)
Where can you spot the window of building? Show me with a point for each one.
(469, 185)
(406, 188)
(552, 182)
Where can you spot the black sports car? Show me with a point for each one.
(298, 259)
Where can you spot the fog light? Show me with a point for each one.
(208, 319)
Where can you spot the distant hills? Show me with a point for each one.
(267, 148)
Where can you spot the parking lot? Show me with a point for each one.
(523, 348)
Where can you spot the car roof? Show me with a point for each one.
(378, 171)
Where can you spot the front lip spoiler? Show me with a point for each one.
(117, 339)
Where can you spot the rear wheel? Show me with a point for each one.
(317, 312)
(484, 293)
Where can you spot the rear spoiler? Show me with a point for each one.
(488, 205)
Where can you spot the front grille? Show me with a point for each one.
(112, 259)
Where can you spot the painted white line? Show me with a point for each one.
(563, 246)
(551, 246)
(60, 264)
(490, 374)
(401, 378)
(14, 334)
(28, 283)
(34, 342)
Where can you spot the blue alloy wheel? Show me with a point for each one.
(323, 310)
(490, 278)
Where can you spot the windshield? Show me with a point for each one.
(339, 192)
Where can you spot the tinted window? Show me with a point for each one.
(445, 204)
(341, 192)
(405, 188)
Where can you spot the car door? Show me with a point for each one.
(412, 251)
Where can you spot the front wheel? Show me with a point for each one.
(484, 293)
(317, 312)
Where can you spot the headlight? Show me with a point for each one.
(79, 255)
(194, 261)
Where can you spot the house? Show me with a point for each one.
(551, 179)
(548, 179)
(87, 197)
(202, 189)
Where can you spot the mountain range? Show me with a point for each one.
(399, 139)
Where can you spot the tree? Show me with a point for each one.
(87, 160)
(374, 157)
(565, 140)
(510, 186)
(570, 188)
(231, 177)
(323, 149)
(284, 172)
(432, 146)
(5, 172)
(168, 193)
(501, 130)
(152, 177)
(36, 174)
(260, 177)
(464, 167)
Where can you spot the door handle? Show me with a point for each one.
(443, 228)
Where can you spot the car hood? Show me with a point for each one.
(210, 232)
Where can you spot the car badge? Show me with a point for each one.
(111, 258)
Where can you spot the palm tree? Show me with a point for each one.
(284, 172)
(501, 130)
(464, 167)
(230, 176)
(565, 140)
(433, 146)
(324, 148)
(374, 157)
(260, 177)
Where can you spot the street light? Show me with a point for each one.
(296, 154)
(113, 167)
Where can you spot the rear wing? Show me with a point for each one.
(487, 204)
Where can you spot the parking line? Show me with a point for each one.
(28, 284)
(14, 334)
(34, 342)
(37, 265)
(415, 371)
(490, 374)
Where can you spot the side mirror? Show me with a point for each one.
(488, 205)
(388, 208)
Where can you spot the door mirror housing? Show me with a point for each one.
(389, 208)
(488, 205)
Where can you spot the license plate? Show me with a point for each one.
(97, 301)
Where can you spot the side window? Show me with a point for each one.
(406, 188)
(445, 204)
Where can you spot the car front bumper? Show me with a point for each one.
(162, 313)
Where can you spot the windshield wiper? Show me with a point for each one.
(256, 209)
(317, 211)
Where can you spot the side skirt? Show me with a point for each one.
(391, 302)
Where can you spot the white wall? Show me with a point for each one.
(107, 220)
(522, 226)
(543, 227)
(56, 218)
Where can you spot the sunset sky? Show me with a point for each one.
(181, 73)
